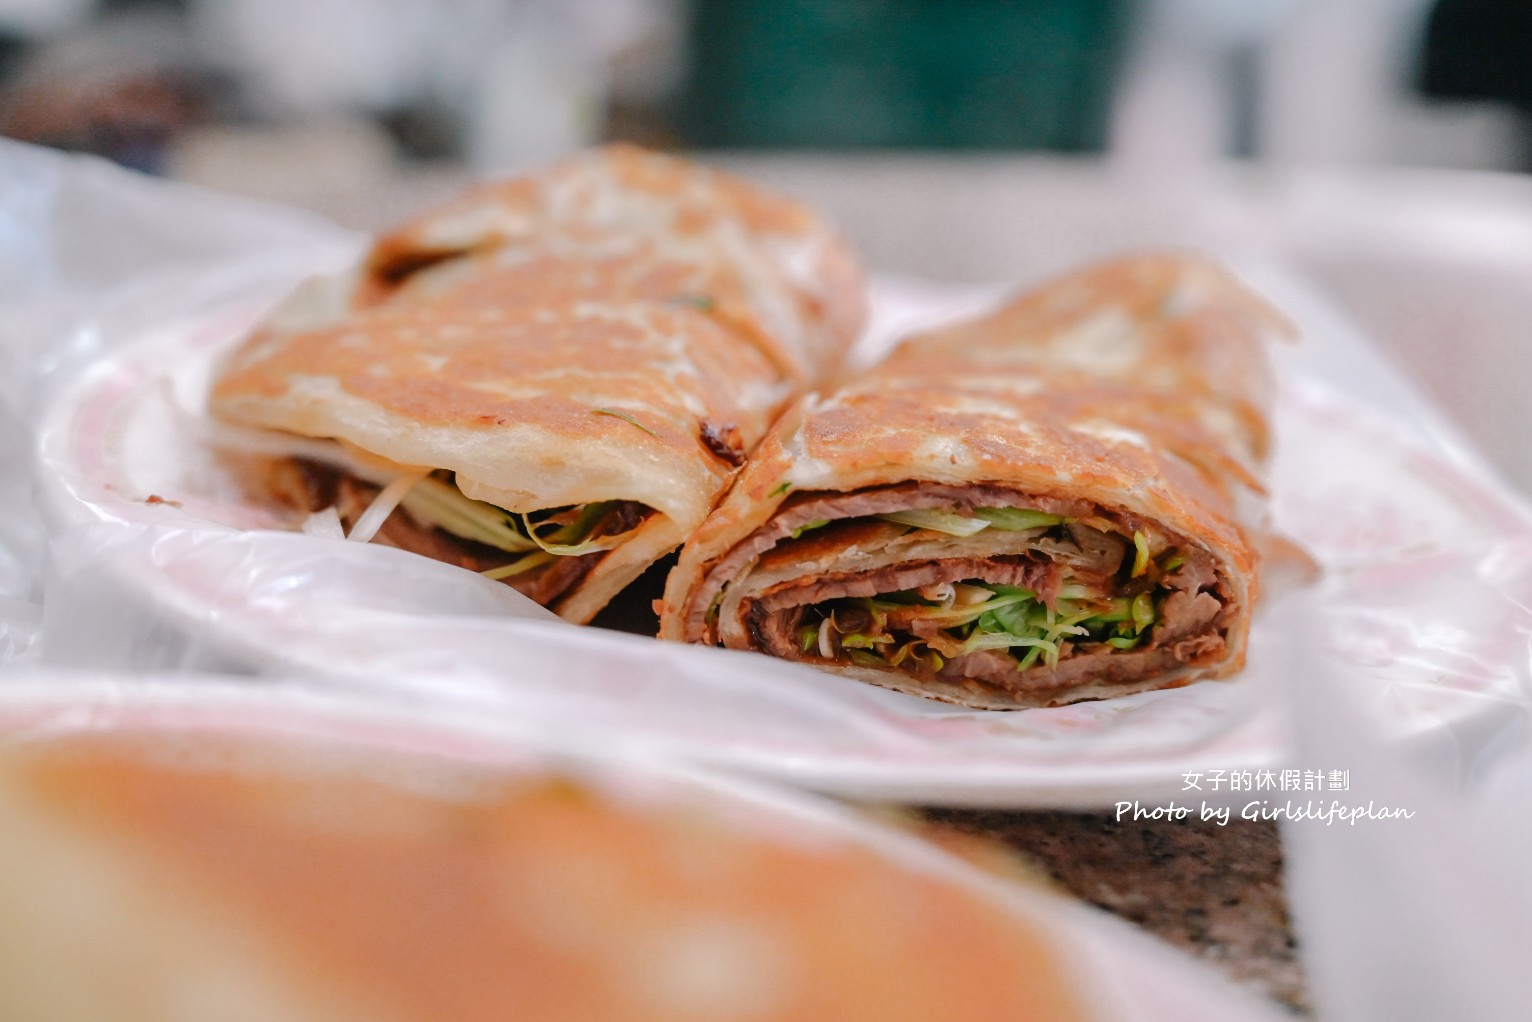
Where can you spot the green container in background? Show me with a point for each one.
(904, 74)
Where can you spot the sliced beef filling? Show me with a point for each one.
(996, 670)
(313, 486)
(1012, 571)
(803, 509)
(1193, 606)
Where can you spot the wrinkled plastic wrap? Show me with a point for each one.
(91, 257)
(1417, 905)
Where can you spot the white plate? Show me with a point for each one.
(1122, 974)
(1414, 537)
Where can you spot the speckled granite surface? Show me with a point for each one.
(1215, 891)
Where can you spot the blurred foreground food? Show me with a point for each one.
(160, 877)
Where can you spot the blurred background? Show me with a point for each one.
(1380, 146)
(493, 84)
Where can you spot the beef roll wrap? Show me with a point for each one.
(1055, 502)
(554, 385)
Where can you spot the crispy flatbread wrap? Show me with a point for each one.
(559, 394)
(1055, 502)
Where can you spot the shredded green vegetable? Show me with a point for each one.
(938, 520)
(435, 502)
(806, 526)
(856, 640)
(1140, 554)
(1017, 519)
(570, 540)
(1009, 618)
(516, 567)
(625, 417)
(438, 503)
(956, 523)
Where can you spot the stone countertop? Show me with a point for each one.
(1214, 891)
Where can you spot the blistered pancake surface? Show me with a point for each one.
(559, 403)
(770, 264)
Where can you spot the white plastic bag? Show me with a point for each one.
(91, 255)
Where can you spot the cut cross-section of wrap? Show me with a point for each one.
(557, 421)
(1059, 501)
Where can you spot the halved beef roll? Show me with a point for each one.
(551, 380)
(1056, 502)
